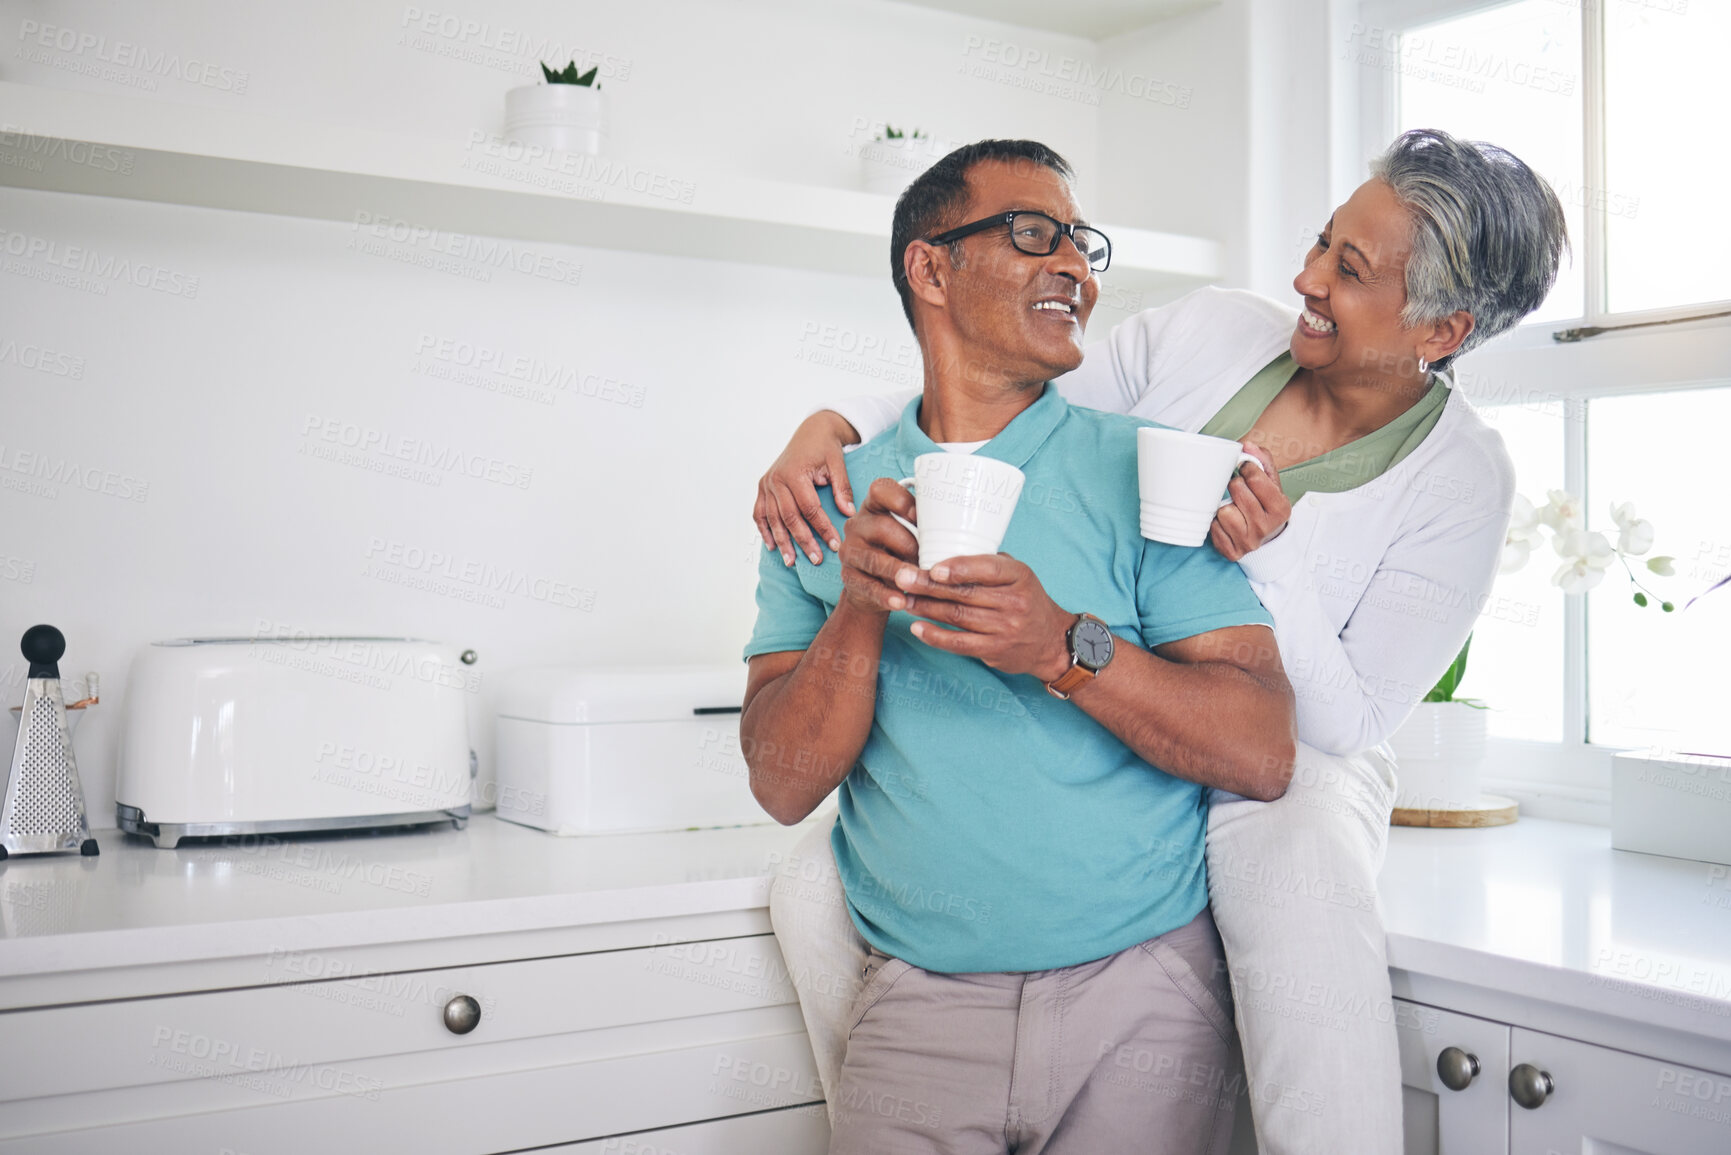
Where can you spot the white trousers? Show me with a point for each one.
(1293, 889)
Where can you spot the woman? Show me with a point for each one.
(1371, 534)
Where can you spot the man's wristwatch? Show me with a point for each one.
(1090, 649)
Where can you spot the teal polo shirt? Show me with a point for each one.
(987, 825)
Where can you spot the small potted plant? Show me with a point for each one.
(889, 163)
(1440, 749)
(568, 113)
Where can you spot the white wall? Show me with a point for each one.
(215, 403)
(1179, 160)
(1244, 154)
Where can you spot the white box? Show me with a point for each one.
(1672, 804)
(584, 750)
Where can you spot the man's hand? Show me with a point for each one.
(1002, 614)
(876, 546)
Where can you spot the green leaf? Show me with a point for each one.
(1640, 599)
(552, 77)
(568, 75)
(1667, 606)
(1444, 691)
(588, 78)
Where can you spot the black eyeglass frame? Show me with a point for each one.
(1009, 219)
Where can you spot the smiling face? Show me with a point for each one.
(1354, 288)
(1020, 314)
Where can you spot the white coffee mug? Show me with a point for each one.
(1181, 477)
(964, 503)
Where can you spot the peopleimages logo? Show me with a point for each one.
(416, 455)
(41, 359)
(35, 149)
(1067, 77)
(84, 261)
(47, 471)
(88, 53)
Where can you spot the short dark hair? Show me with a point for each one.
(927, 206)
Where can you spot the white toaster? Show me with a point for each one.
(585, 750)
(235, 736)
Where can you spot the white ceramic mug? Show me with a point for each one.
(964, 503)
(1181, 477)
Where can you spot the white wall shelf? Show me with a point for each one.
(1094, 19)
(190, 155)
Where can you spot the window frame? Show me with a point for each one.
(1569, 778)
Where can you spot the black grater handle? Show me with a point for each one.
(42, 647)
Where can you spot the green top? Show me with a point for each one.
(1345, 468)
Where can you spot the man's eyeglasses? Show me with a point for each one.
(1037, 235)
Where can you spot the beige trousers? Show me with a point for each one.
(1130, 1053)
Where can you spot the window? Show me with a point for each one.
(1658, 679)
(1524, 618)
(1509, 75)
(1666, 171)
(1605, 99)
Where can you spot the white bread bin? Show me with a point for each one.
(267, 735)
(588, 750)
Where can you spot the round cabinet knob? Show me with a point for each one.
(1457, 1068)
(1530, 1087)
(462, 1015)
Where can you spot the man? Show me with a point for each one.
(1029, 871)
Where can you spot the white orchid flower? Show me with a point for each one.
(1515, 555)
(1634, 535)
(1563, 512)
(1586, 555)
(1525, 533)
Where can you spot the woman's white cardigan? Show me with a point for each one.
(1372, 590)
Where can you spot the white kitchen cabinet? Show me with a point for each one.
(1439, 1119)
(579, 1047)
(1610, 1102)
(1602, 1101)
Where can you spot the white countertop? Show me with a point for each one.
(1548, 911)
(253, 895)
(1540, 910)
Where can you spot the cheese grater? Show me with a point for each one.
(42, 811)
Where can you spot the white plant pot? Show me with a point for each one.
(1440, 757)
(889, 166)
(565, 117)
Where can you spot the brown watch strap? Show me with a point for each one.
(1070, 681)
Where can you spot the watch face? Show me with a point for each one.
(1092, 643)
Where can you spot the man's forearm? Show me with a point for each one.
(802, 732)
(1211, 722)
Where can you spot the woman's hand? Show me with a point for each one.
(1259, 510)
(787, 494)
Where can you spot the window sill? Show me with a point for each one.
(1568, 782)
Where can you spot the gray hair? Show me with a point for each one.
(1488, 232)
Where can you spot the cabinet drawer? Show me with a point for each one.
(534, 1107)
(320, 1024)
